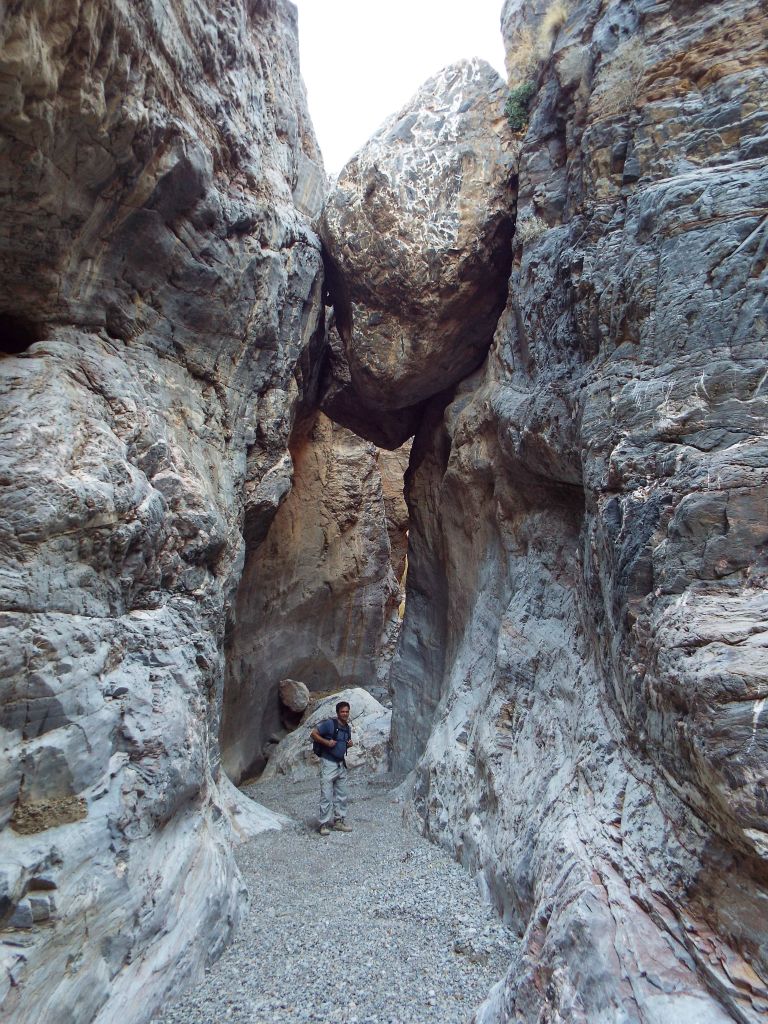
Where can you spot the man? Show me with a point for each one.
(335, 736)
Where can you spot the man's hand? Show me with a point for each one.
(330, 743)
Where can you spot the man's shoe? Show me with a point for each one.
(323, 831)
(341, 826)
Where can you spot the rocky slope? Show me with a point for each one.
(581, 677)
(160, 307)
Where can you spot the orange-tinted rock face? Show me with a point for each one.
(316, 596)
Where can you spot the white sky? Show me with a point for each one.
(361, 60)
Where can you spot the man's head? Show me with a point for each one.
(342, 711)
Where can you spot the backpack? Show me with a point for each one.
(318, 748)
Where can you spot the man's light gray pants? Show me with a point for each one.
(333, 791)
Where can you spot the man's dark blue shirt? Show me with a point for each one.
(326, 729)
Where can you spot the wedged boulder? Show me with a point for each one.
(294, 694)
(417, 231)
(371, 723)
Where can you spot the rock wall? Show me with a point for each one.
(580, 682)
(316, 597)
(161, 319)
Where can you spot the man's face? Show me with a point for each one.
(344, 716)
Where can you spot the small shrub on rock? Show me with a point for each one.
(516, 107)
(529, 228)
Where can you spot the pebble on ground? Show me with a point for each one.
(376, 926)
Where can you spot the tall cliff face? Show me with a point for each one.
(160, 304)
(581, 676)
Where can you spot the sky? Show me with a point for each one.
(361, 60)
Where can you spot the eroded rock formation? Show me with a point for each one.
(160, 296)
(581, 678)
(580, 683)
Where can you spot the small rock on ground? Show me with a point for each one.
(376, 926)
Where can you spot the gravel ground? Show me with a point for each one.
(376, 926)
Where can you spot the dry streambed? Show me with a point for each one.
(374, 927)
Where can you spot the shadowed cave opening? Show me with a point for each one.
(17, 334)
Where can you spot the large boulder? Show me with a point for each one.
(370, 723)
(293, 694)
(417, 231)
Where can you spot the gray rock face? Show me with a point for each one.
(581, 679)
(417, 233)
(159, 304)
(315, 597)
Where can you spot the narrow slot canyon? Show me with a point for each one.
(469, 440)
(319, 599)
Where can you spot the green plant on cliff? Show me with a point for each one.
(516, 107)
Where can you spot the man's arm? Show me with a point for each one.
(322, 739)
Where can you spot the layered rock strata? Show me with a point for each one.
(315, 597)
(160, 313)
(581, 680)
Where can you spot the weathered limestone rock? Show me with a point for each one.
(417, 232)
(294, 694)
(315, 597)
(248, 818)
(371, 726)
(160, 304)
(581, 676)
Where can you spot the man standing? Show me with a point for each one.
(334, 735)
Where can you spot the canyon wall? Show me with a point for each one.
(581, 682)
(571, 319)
(161, 322)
